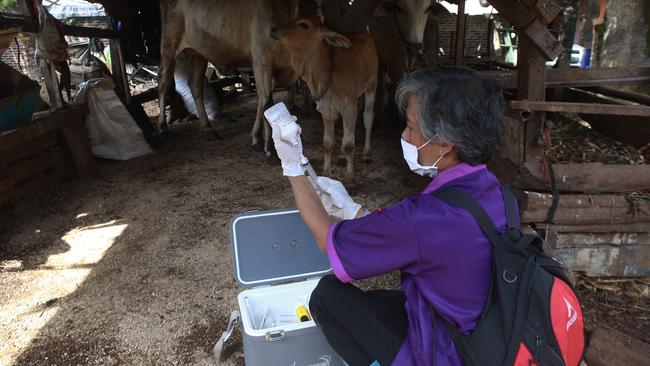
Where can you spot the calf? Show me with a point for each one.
(338, 70)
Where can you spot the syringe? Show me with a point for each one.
(279, 117)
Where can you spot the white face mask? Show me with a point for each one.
(411, 156)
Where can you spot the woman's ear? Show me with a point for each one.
(447, 149)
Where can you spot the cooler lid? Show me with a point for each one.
(270, 247)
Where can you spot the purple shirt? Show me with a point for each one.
(443, 256)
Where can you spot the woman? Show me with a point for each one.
(453, 129)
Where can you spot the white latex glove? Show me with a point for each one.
(290, 154)
(336, 200)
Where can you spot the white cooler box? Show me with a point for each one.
(276, 258)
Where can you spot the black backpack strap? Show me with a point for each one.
(459, 198)
(510, 204)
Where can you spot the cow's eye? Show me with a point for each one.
(303, 25)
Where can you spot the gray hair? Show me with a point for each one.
(460, 106)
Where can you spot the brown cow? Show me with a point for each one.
(338, 70)
(397, 27)
(227, 32)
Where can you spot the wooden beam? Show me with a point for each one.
(30, 25)
(587, 177)
(633, 227)
(586, 108)
(78, 144)
(460, 33)
(625, 95)
(10, 139)
(579, 77)
(523, 20)
(28, 148)
(588, 240)
(530, 86)
(607, 260)
(584, 209)
(627, 129)
(545, 10)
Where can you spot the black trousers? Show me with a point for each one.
(362, 327)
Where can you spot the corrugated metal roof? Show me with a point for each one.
(62, 9)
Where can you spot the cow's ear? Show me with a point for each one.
(385, 8)
(336, 39)
(438, 11)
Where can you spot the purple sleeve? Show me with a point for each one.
(379, 243)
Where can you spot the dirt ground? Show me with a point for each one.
(134, 267)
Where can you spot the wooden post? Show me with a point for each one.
(460, 34)
(531, 86)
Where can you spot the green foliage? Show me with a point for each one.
(7, 4)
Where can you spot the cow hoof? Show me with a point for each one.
(367, 158)
(156, 141)
(258, 147)
(342, 161)
(272, 160)
(213, 135)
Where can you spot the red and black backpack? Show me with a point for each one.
(532, 315)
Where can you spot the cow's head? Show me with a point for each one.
(306, 34)
(411, 17)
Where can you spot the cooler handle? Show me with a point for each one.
(232, 323)
(275, 336)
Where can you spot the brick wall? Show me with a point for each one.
(24, 49)
(476, 35)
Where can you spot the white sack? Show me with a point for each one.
(112, 131)
(182, 77)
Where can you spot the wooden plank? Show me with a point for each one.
(10, 139)
(78, 144)
(523, 20)
(590, 240)
(585, 108)
(634, 227)
(628, 129)
(584, 209)
(28, 148)
(621, 94)
(461, 18)
(32, 166)
(586, 178)
(513, 137)
(30, 24)
(530, 84)
(627, 261)
(545, 10)
(579, 77)
(609, 347)
(34, 187)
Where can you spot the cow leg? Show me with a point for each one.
(328, 143)
(368, 118)
(168, 53)
(199, 65)
(263, 79)
(347, 147)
